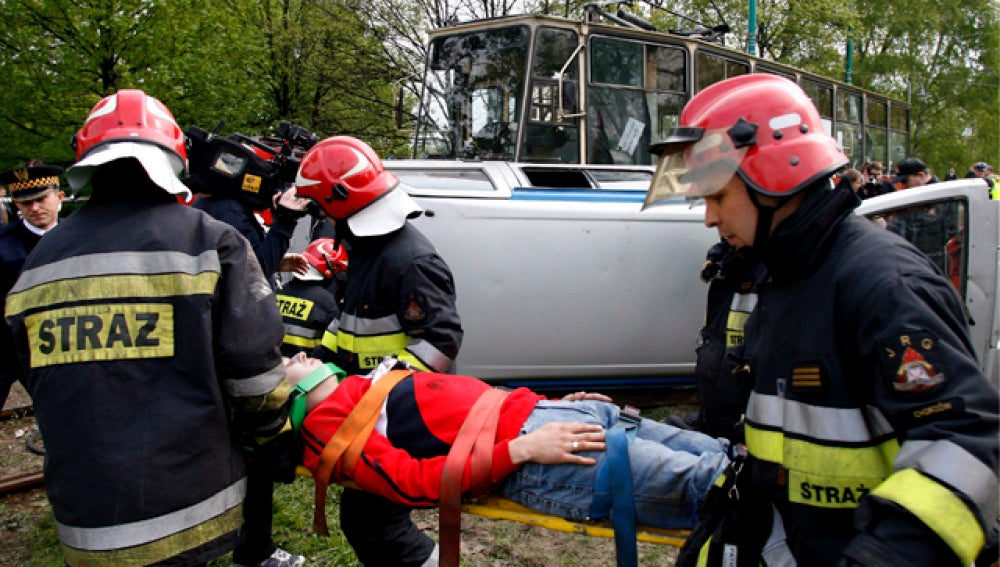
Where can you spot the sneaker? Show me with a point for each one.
(281, 558)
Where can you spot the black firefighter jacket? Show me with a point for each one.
(399, 300)
(141, 328)
(873, 428)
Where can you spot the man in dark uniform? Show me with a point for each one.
(399, 301)
(148, 337)
(721, 369)
(34, 189)
(871, 429)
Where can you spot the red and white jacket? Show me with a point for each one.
(404, 457)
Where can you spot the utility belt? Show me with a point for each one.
(738, 525)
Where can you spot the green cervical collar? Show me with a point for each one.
(297, 411)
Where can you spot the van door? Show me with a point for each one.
(955, 225)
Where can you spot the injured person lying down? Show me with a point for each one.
(546, 453)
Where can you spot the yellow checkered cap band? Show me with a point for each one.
(33, 184)
(33, 189)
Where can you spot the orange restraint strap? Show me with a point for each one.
(349, 439)
(473, 445)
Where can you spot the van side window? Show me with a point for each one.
(938, 230)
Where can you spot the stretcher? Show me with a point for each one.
(495, 507)
(473, 445)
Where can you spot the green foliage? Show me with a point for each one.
(246, 63)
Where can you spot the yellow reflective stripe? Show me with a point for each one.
(112, 287)
(736, 321)
(413, 361)
(703, 553)
(303, 342)
(939, 508)
(161, 549)
(953, 465)
(384, 344)
(329, 341)
(865, 461)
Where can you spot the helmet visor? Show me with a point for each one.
(696, 169)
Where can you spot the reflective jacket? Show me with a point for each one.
(307, 308)
(724, 382)
(867, 395)
(141, 328)
(399, 300)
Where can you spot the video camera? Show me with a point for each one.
(250, 170)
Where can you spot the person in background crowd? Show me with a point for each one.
(984, 171)
(872, 433)
(994, 181)
(977, 170)
(951, 175)
(853, 179)
(912, 172)
(308, 303)
(873, 182)
(35, 191)
(148, 337)
(399, 300)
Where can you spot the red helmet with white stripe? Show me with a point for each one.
(326, 257)
(130, 116)
(346, 178)
(761, 127)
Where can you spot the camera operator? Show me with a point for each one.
(236, 177)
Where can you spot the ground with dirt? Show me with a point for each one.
(485, 542)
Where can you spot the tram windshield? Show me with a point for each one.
(472, 94)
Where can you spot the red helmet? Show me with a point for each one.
(347, 180)
(343, 175)
(760, 126)
(326, 257)
(130, 116)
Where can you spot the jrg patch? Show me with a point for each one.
(912, 363)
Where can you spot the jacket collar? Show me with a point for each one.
(799, 242)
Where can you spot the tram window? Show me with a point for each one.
(899, 132)
(614, 62)
(821, 95)
(877, 119)
(710, 68)
(899, 118)
(622, 121)
(758, 68)
(848, 129)
(553, 49)
(543, 101)
(876, 112)
(875, 142)
(668, 67)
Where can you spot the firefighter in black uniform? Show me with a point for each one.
(234, 200)
(308, 302)
(34, 189)
(870, 429)
(724, 382)
(148, 337)
(399, 301)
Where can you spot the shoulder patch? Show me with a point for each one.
(413, 312)
(912, 363)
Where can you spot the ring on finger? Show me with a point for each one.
(575, 445)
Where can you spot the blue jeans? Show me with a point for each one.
(672, 469)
